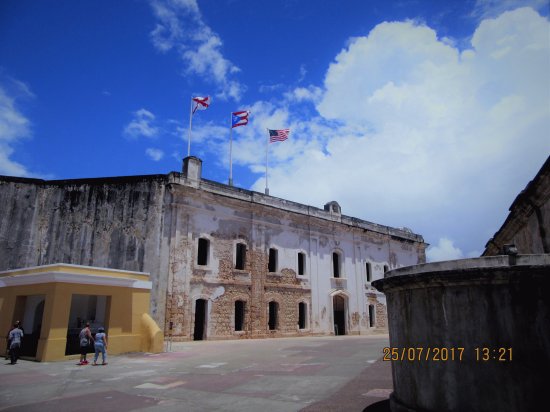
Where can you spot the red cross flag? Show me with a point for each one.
(201, 103)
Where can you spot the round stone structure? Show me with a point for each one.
(469, 335)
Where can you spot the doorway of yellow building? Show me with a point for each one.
(93, 309)
(29, 310)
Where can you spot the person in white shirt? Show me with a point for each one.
(15, 336)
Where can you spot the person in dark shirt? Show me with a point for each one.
(85, 337)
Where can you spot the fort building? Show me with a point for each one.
(222, 262)
(527, 226)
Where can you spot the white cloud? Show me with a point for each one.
(303, 72)
(143, 124)
(154, 154)
(8, 166)
(14, 126)
(416, 132)
(180, 26)
(299, 94)
(445, 250)
(269, 88)
(493, 8)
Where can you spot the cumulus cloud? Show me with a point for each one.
(180, 27)
(155, 154)
(444, 250)
(142, 124)
(413, 131)
(493, 8)
(14, 126)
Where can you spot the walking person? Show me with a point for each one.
(8, 343)
(85, 337)
(18, 323)
(15, 336)
(100, 345)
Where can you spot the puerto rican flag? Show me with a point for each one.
(239, 118)
(201, 103)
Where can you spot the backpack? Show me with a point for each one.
(84, 341)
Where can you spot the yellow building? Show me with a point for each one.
(53, 302)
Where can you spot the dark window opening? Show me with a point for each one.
(301, 263)
(369, 273)
(339, 307)
(84, 308)
(239, 315)
(302, 315)
(273, 315)
(335, 265)
(241, 256)
(371, 316)
(386, 268)
(202, 253)
(199, 332)
(272, 266)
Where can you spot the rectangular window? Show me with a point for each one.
(371, 316)
(240, 260)
(369, 273)
(301, 263)
(239, 315)
(272, 266)
(273, 309)
(202, 253)
(302, 315)
(335, 265)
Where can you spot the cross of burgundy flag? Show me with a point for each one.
(278, 135)
(201, 103)
(239, 118)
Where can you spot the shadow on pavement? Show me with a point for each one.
(382, 406)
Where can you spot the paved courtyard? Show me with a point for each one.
(312, 374)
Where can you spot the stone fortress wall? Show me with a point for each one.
(160, 224)
(527, 225)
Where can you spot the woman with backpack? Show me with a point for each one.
(84, 337)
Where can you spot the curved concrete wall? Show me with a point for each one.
(492, 316)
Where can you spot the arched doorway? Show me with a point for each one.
(199, 332)
(339, 308)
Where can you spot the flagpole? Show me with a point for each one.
(266, 146)
(189, 133)
(230, 150)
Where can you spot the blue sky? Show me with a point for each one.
(431, 115)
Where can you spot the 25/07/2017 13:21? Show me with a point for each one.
(443, 354)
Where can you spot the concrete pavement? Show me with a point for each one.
(342, 373)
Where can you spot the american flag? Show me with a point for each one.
(278, 135)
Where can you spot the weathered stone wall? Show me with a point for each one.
(113, 223)
(528, 223)
(483, 328)
(226, 222)
(19, 216)
(153, 224)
